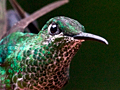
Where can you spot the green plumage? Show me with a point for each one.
(31, 61)
(40, 61)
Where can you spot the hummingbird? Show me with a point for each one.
(38, 61)
(41, 61)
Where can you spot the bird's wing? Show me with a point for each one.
(22, 14)
(21, 25)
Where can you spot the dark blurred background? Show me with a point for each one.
(96, 66)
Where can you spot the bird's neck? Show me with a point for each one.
(61, 60)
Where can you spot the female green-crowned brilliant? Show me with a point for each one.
(41, 61)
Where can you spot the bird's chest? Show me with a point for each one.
(40, 68)
(44, 67)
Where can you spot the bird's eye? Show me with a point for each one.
(53, 29)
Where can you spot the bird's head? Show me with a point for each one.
(65, 35)
(65, 30)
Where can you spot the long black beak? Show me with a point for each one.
(89, 36)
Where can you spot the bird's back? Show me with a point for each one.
(9, 46)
